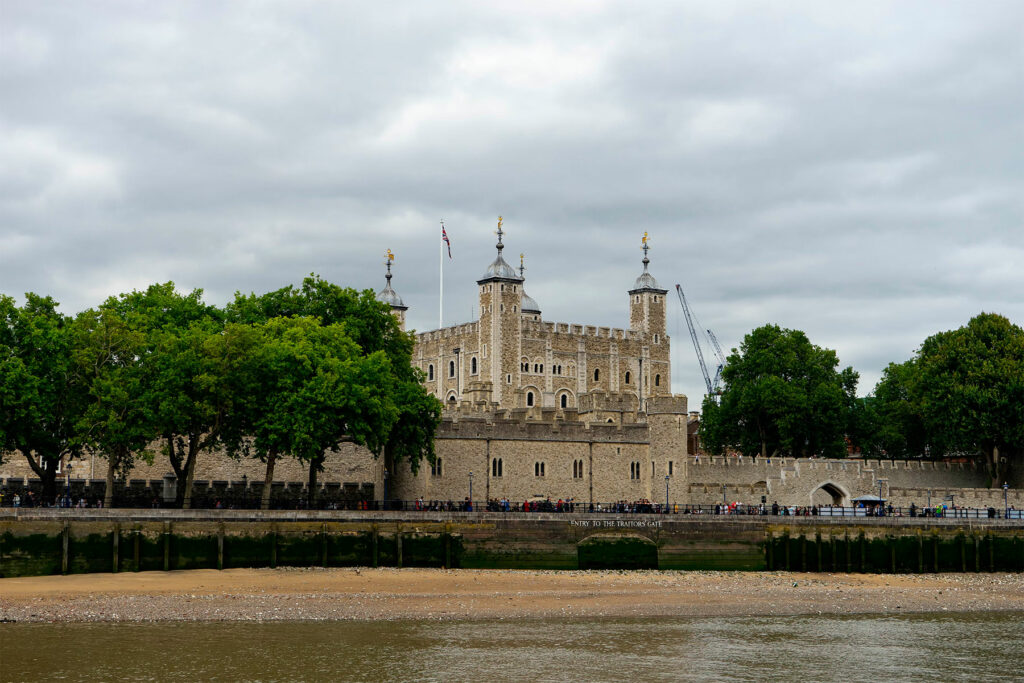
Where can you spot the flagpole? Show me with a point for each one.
(440, 292)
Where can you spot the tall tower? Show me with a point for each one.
(500, 291)
(390, 296)
(647, 301)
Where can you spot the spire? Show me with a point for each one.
(499, 269)
(388, 295)
(528, 304)
(646, 280)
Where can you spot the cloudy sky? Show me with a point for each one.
(854, 170)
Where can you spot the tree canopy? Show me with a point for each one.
(782, 396)
(295, 372)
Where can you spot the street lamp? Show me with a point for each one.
(724, 500)
(470, 492)
(1006, 504)
(666, 494)
(881, 507)
(245, 491)
(385, 488)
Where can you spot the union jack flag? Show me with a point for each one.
(444, 236)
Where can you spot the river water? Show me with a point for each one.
(960, 647)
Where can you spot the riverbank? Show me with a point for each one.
(388, 594)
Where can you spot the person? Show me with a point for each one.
(775, 508)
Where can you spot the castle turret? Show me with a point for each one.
(500, 291)
(529, 308)
(390, 297)
(647, 301)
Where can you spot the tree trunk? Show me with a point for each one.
(190, 470)
(314, 469)
(108, 495)
(179, 472)
(994, 466)
(268, 479)
(47, 474)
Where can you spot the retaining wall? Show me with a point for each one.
(35, 542)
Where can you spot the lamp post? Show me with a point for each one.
(385, 488)
(1006, 503)
(723, 494)
(245, 491)
(470, 492)
(666, 494)
(881, 507)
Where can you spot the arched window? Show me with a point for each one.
(451, 368)
(597, 375)
(627, 377)
(501, 473)
(657, 380)
(472, 365)
(655, 339)
(565, 400)
(529, 399)
(430, 372)
(542, 469)
(496, 467)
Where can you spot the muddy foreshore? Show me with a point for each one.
(386, 594)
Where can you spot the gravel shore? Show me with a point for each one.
(383, 594)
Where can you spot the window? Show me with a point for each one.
(634, 470)
(513, 309)
(597, 375)
(627, 377)
(652, 469)
(577, 469)
(472, 365)
(451, 368)
(657, 380)
(670, 463)
(529, 399)
(508, 379)
(655, 339)
(496, 467)
(565, 400)
(430, 372)
(503, 307)
(538, 469)
(435, 468)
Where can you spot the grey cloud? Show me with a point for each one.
(850, 170)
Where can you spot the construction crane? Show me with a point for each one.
(713, 385)
(720, 357)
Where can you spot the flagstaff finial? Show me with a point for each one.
(499, 233)
(389, 257)
(521, 266)
(645, 247)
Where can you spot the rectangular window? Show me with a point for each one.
(670, 468)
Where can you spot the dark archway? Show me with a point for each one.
(617, 551)
(830, 494)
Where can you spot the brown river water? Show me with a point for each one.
(936, 647)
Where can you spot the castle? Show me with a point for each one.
(528, 401)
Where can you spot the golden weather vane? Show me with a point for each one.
(390, 257)
(644, 240)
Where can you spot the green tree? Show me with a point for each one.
(374, 330)
(42, 395)
(302, 389)
(178, 393)
(971, 388)
(901, 431)
(782, 396)
(115, 424)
